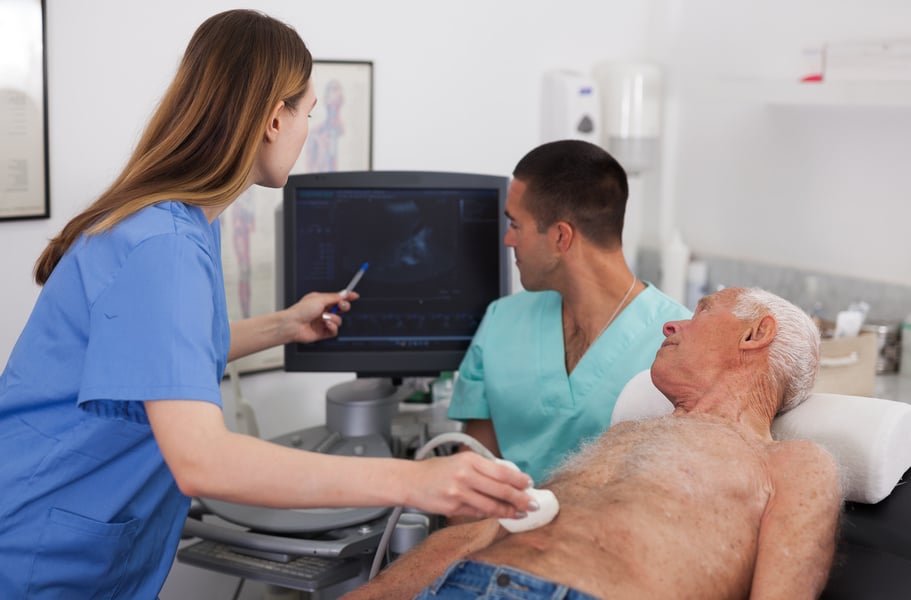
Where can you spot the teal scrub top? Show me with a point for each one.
(514, 373)
(89, 508)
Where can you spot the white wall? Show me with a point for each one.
(809, 187)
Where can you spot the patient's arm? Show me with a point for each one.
(797, 535)
(419, 567)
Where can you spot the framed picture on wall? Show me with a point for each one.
(340, 139)
(24, 186)
(341, 125)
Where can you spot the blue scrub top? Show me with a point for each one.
(89, 508)
(514, 373)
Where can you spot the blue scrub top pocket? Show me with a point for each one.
(79, 557)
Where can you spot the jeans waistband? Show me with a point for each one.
(493, 581)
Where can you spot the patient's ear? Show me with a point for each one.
(760, 334)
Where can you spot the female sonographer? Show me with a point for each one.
(110, 411)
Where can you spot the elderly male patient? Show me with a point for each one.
(700, 504)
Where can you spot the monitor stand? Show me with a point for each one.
(364, 406)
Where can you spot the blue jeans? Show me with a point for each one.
(470, 579)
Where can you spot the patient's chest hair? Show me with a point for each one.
(691, 456)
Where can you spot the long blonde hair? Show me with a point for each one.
(201, 143)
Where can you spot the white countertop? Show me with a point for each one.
(893, 386)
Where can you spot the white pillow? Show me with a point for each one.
(870, 438)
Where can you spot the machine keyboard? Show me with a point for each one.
(300, 572)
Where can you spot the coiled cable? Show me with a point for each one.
(422, 452)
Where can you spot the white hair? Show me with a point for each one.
(794, 353)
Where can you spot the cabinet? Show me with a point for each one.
(839, 93)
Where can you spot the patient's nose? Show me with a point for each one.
(670, 328)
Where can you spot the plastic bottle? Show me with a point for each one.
(697, 282)
(905, 364)
(675, 257)
(441, 388)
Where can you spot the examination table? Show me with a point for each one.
(873, 561)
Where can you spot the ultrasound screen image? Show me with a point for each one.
(433, 262)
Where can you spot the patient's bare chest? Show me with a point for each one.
(693, 459)
(666, 504)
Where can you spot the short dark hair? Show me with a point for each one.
(577, 182)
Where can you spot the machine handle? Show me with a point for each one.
(346, 542)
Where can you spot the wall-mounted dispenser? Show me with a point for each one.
(631, 104)
(570, 107)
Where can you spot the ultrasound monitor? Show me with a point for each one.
(433, 242)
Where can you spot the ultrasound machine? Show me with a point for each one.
(433, 241)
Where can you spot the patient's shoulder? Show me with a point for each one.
(802, 463)
(799, 453)
(797, 448)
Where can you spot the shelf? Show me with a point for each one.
(840, 93)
